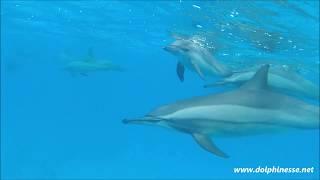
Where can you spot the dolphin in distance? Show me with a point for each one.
(90, 64)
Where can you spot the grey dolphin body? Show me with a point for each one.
(83, 67)
(196, 58)
(90, 64)
(251, 109)
(279, 79)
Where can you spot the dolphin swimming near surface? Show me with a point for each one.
(196, 58)
(278, 78)
(91, 64)
(251, 109)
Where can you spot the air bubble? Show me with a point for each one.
(196, 6)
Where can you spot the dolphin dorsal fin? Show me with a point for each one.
(259, 80)
(90, 53)
(90, 56)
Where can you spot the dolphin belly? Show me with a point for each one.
(237, 120)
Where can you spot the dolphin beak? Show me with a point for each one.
(130, 121)
(170, 48)
(144, 120)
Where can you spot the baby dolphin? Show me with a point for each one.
(251, 109)
(279, 79)
(195, 57)
(91, 64)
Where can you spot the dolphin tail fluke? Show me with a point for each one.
(113, 67)
(118, 68)
(180, 71)
(217, 83)
(240, 71)
(206, 143)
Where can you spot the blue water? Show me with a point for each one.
(55, 125)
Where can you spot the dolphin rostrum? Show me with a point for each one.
(279, 79)
(91, 64)
(195, 57)
(251, 109)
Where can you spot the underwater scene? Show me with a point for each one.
(179, 89)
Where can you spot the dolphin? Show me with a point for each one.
(91, 64)
(251, 109)
(195, 57)
(279, 79)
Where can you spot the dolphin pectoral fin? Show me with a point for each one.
(198, 70)
(180, 71)
(206, 143)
